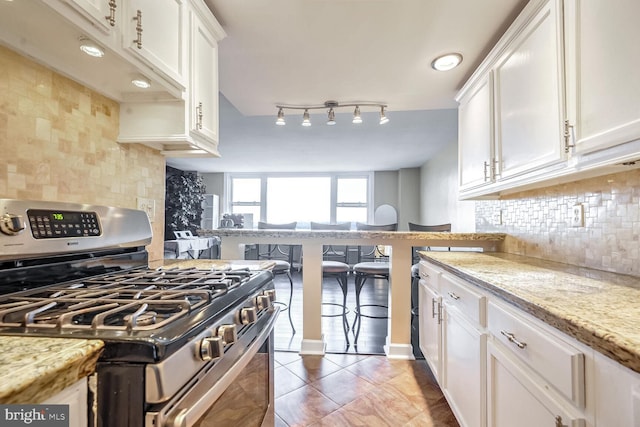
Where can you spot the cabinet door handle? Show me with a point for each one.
(199, 112)
(512, 338)
(486, 171)
(454, 296)
(433, 308)
(138, 40)
(568, 134)
(112, 13)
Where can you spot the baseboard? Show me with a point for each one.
(313, 347)
(399, 351)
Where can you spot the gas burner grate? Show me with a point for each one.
(129, 301)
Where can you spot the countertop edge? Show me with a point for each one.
(47, 376)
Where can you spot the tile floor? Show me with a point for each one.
(357, 390)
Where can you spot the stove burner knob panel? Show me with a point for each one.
(228, 333)
(247, 316)
(211, 348)
(263, 301)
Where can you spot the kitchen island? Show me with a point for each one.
(398, 342)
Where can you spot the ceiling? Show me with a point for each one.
(306, 52)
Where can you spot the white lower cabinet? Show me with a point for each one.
(499, 366)
(76, 397)
(514, 397)
(617, 394)
(463, 348)
(430, 305)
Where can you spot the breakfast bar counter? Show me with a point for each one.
(398, 342)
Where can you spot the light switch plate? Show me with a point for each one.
(148, 206)
(576, 216)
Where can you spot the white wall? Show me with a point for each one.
(439, 202)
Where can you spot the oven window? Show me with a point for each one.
(246, 401)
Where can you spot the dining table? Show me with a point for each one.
(399, 248)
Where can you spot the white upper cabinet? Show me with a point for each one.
(564, 101)
(529, 96)
(156, 32)
(183, 127)
(476, 161)
(204, 78)
(104, 15)
(603, 80)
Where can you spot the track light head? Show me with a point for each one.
(280, 121)
(383, 118)
(306, 121)
(357, 119)
(332, 117)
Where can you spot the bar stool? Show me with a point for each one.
(282, 256)
(338, 270)
(376, 269)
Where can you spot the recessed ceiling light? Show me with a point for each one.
(141, 81)
(90, 48)
(446, 62)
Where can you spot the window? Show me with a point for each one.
(285, 198)
(245, 196)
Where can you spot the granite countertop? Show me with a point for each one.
(352, 234)
(597, 308)
(218, 264)
(34, 369)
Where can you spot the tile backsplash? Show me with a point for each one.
(58, 142)
(538, 222)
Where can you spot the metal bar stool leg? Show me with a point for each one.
(360, 281)
(342, 281)
(290, 299)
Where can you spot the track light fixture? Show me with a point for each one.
(331, 115)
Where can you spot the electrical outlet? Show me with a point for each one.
(497, 218)
(148, 206)
(576, 215)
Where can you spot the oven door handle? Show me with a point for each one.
(190, 410)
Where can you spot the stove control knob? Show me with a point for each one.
(11, 224)
(247, 315)
(228, 334)
(263, 301)
(271, 293)
(211, 348)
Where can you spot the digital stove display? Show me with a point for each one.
(48, 224)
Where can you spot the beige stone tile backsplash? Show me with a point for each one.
(538, 222)
(58, 142)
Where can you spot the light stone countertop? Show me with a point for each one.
(218, 264)
(597, 308)
(352, 234)
(34, 369)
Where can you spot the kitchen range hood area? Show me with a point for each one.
(546, 163)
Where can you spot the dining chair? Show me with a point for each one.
(378, 268)
(282, 256)
(336, 269)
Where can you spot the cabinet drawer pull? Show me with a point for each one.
(454, 296)
(513, 339)
(112, 13)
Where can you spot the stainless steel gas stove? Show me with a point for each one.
(178, 343)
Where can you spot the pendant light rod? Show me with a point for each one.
(332, 104)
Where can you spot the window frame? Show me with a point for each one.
(335, 176)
